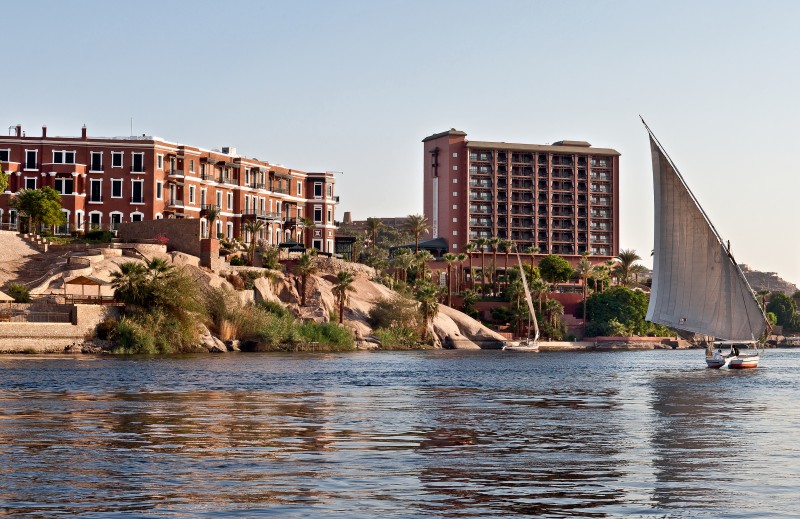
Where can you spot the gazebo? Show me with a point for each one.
(5, 301)
(83, 282)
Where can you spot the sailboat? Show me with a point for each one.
(697, 285)
(527, 344)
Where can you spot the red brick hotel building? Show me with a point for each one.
(561, 198)
(106, 181)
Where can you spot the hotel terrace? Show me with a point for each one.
(561, 198)
(107, 181)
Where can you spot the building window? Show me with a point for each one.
(455, 245)
(137, 217)
(317, 190)
(159, 190)
(5, 155)
(95, 190)
(299, 189)
(330, 190)
(63, 157)
(330, 215)
(31, 159)
(318, 214)
(455, 220)
(96, 163)
(455, 168)
(95, 219)
(230, 201)
(455, 155)
(30, 182)
(191, 166)
(455, 181)
(159, 161)
(116, 188)
(455, 233)
(219, 200)
(137, 191)
(191, 194)
(116, 159)
(202, 196)
(64, 185)
(229, 227)
(455, 193)
(116, 219)
(455, 206)
(138, 162)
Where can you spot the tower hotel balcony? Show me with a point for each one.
(481, 189)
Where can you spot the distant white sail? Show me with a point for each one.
(528, 299)
(697, 286)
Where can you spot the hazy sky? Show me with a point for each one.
(354, 86)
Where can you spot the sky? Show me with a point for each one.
(354, 86)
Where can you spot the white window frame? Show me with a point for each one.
(133, 182)
(35, 160)
(455, 154)
(133, 161)
(99, 220)
(229, 230)
(91, 161)
(121, 155)
(137, 213)
(330, 190)
(25, 182)
(159, 216)
(455, 219)
(159, 161)
(159, 190)
(64, 156)
(299, 188)
(321, 213)
(191, 165)
(89, 194)
(80, 219)
(192, 191)
(8, 154)
(219, 199)
(455, 206)
(330, 215)
(229, 201)
(321, 190)
(121, 183)
(455, 181)
(62, 179)
(455, 168)
(111, 218)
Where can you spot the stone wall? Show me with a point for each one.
(53, 337)
(183, 234)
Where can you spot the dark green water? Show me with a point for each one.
(430, 434)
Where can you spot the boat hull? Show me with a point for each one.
(748, 362)
(521, 346)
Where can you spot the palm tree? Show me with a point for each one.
(636, 270)
(584, 270)
(306, 266)
(403, 260)
(532, 251)
(450, 258)
(373, 224)
(129, 283)
(626, 258)
(211, 214)
(422, 258)
(469, 248)
(508, 246)
(539, 287)
(428, 296)
(307, 224)
(481, 244)
(253, 227)
(416, 224)
(555, 311)
(460, 257)
(343, 285)
(494, 243)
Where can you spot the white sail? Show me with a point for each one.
(697, 286)
(528, 299)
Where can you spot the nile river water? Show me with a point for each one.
(390, 435)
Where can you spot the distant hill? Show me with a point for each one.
(767, 281)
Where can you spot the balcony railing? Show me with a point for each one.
(177, 173)
(258, 185)
(174, 202)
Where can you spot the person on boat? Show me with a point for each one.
(735, 352)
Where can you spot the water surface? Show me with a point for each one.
(429, 434)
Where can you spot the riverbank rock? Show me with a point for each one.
(212, 344)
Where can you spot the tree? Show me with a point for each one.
(480, 243)
(428, 296)
(533, 251)
(469, 248)
(460, 257)
(307, 224)
(402, 261)
(422, 258)
(625, 261)
(417, 224)
(636, 270)
(785, 311)
(555, 269)
(373, 225)
(41, 206)
(253, 227)
(555, 311)
(538, 287)
(211, 215)
(450, 258)
(619, 310)
(584, 270)
(494, 244)
(508, 246)
(306, 266)
(343, 285)
(3, 180)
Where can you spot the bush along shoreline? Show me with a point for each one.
(167, 313)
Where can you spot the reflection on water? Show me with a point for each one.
(441, 434)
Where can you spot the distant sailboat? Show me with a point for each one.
(697, 286)
(527, 344)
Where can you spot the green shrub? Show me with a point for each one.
(273, 307)
(249, 278)
(238, 261)
(269, 258)
(394, 311)
(19, 293)
(330, 335)
(132, 337)
(106, 330)
(99, 236)
(401, 337)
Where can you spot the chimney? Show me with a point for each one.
(83, 132)
(19, 130)
(44, 131)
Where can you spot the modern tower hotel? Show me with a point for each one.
(105, 181)
(560, 199)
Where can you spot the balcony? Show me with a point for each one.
(336, 199)
(207, 176)
(480, 196)
(258, 185)
(177, 173)
(174, 202)
(262, 215)
(480, 183)
(280, 190)
(205, 208)
(137, 199)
